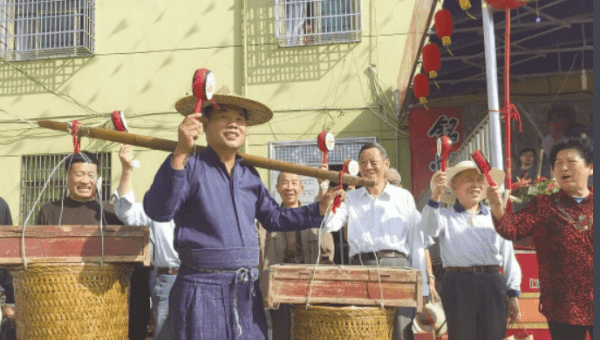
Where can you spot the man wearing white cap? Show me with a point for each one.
(214, 200)
(475, 294)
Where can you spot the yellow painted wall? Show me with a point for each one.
(145, 56)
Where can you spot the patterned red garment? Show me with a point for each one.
(563, 233)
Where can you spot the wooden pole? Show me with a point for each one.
(540, 160)
(169, 146)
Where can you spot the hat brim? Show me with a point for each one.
(449, 197)
(437, 315)
(258, 113)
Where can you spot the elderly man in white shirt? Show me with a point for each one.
(475, 295)
(382, 226)
(164, 256)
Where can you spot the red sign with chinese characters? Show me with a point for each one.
(425, 126)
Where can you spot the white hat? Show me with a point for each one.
(449, 197)
(438, 317)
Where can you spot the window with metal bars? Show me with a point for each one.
(317, 22)
(39, 29)
(306, 152)
(36, 170)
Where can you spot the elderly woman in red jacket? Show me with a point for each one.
(562, 229)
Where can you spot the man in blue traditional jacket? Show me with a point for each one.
(214, 200)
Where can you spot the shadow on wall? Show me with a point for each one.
(31, 77)
(269, 63)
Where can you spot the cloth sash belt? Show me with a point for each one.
(240, 261)
(219, 258)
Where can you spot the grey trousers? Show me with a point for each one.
(404, 315)
(281, 322)
(475, 305)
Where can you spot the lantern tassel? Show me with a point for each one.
(436, 84)
(464, 4)
(446, 40)
(423, 102)
(471, 15)
(448, 48)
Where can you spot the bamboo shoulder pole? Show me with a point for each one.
(169, 146)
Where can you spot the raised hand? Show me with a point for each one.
(188, 132)
(494, 195)
(439, 183)
(126, 157)
(328, 197)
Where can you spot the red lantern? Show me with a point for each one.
(421, 88)
(506, 4)
(431, 60)
(444, 27)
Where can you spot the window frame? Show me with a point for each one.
(34, 29)
(317, 22)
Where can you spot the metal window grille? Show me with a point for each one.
(317, 22)
(35, 171)
(40, 29)
(308, 153)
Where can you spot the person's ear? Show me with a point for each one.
(386, 163)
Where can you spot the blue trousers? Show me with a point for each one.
(160, 306)
(201, 306)
(475, 305)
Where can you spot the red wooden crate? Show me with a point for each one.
(75, 244)
(344, 285)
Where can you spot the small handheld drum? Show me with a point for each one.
(443, 150)
(351, 167)
(483, 166)
(203, 85)
(326, 143)
(119, 122)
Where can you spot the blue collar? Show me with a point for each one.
(460, 209)
(212, 154)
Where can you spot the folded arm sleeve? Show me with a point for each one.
(511, 268)
(129, 211)
(516, 226)
(274, 217)
(335, 221)
(168, 191)
(432, 223)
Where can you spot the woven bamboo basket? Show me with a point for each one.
(71, 301)
(342, 323)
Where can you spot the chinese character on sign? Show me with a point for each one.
(443, 126)
(534, 283)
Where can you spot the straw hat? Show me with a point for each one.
(258, 113)
(448, 195)
(438, 317)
